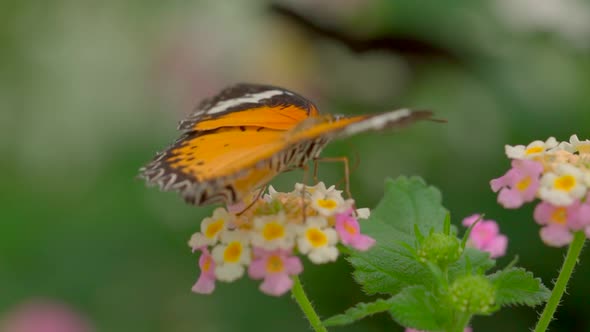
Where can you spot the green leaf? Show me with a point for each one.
(358, 312)
(418, 308)
(387, 267)
(408, 202)
(478, 260)
(516, 286)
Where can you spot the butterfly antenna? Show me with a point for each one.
(438, 120)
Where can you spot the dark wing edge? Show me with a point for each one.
(268, 95)
(157, 173)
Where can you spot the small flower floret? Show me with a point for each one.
(317, 240)
(275, 267)
(206, 282)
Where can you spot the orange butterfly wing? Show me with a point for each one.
(230, 144)
(250, 105)
(217, 166)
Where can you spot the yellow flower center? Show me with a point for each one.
(316, 237)
(583, 148)
(534, 149)
(565, 182)
(523, 184)
(350, 229)
(273, 230)
(274, 264)
(559, 216)
(214, 228)
(233, 252)
(207, 262)
(327, 203)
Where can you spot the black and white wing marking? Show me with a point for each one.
(246, 96)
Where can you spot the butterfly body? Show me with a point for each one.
(240, 139)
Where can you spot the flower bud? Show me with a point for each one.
(473, 294)
(440, 249)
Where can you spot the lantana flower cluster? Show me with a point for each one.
(265, 237)
(558, 173)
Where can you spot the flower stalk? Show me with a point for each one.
(300, 297)
(571, 259)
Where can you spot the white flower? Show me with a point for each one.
(328, 202)
(273, 232)
(575, 145)
(211, 228)
(232, 255)
(310, 190)
(535, 149)
(272, 194)
(318, 240)
(564, 185)
(363, 213)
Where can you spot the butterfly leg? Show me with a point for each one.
(343, 160)
(303, 190)
(258, 196)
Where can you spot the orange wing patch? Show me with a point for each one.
(272, 117)
(223, 152)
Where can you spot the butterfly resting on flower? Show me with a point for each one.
(238, 140)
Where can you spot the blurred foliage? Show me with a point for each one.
(89, 91)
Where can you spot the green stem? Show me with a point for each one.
(564, 275)
(298, 294)
(461, 322)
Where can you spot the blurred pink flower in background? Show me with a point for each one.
(43, 315)
(486, 236)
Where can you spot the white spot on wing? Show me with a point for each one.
(250, 98)
(377, 122)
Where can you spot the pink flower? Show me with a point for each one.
(43, 316)
(206, 282)
(274, 267)
(519, 185)
(350, 233)
(583, 219)
(486, 236)
(560, 221)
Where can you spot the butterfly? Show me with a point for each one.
(238, 140)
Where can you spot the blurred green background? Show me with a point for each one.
(89, 91)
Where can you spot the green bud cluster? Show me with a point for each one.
(473, 294)
(440, 249)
